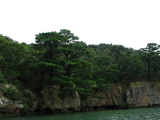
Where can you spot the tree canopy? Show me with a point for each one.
(60, 58)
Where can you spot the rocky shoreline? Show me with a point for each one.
(49, 101)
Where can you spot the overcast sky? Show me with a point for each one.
(132, 23)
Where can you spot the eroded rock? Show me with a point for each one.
(143, 94)
(52, 102)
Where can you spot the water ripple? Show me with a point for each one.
(127, 114)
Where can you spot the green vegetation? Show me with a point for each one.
(123, 104)
(58, 58)
(12, 94)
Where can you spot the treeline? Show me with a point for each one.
(58, 58)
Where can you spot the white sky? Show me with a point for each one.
(132, 23)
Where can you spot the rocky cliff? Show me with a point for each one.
(50, 100)
(143, 94)
(135, 94)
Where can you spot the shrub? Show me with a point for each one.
(11, 93)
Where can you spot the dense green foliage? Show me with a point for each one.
(59, 58)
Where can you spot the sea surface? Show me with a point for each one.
(123, 114)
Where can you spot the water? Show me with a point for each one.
(127, 114)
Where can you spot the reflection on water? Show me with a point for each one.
(127, 114)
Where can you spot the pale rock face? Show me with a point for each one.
(110, 97)
(33, 103)
(71, 102)
(50, 97)
(143, 94)
(51, 100)
(9, 107)
(99, 100)
(15, 107)
(1, 101)
(135, 94)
